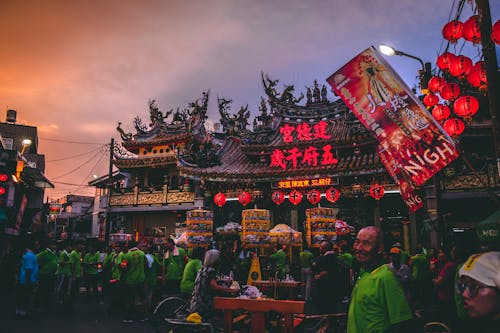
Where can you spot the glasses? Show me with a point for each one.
(471, 287)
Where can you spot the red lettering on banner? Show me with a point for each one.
(293, 156)
(304, 132)
(278, 159)
(287, 131)
(310, 156)
(320, 130)
(328, 156)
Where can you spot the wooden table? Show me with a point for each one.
(292, 286)
(258, 309)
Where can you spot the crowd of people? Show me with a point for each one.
(381, 289)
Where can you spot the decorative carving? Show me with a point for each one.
(124, 136)
(121, 152)
(139, 126)
(150, 198)
(180, 197)
(122, 200)
(465, 182)
(287, 97)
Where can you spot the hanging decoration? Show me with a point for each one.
(452, 31)
(454, 127)
(295, 197)
(441, 112)
(314, 197)
(471, 31)
(477, 75)
(430, 100)
(495, 32)
(444, 60)
(220, 199)
(466, 106)
(332, 194)
(435, 83)
(460, 65)
(377, 191)
(244, 198)
(450, 91)
(278, 197)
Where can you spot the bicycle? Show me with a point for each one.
(171, 307)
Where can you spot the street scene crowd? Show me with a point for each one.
(381, 289)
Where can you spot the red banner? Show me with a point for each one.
(414, 145)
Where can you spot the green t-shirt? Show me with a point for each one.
(346, 258)
(190, 272)
(420, 266)
(279, 258)
(151, 273)
(47, 262)
(377, 302)
(305, 259)
(90, 261)
(116, 270)
(134, 273)
(63, 264)
(75, 260)
(174, 265)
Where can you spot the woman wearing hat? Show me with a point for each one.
(479, 284)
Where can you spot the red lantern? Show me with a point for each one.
(314, 197)
(244, 198)
(443, 61)
(441, 112)
(495, 32)
(430, 100)
(466, 106)
(295, 197)
(377, 191)
(460, 65)
(477, 75)
(452, 31)
(450, 91)
(454, 126)
(471, 31)
(332, 194)
(220, 199)
(435, 83)
(278, 197)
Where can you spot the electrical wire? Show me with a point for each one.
(78, 167)
(74, 142)
(75, 156)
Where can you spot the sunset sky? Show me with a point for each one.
(76, 68)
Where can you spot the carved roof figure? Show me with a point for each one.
(124, 136)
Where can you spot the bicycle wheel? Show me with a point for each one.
(169, 308)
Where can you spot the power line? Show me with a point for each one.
(77, 168)
(75, 156)
(71, 184)
(74, 142)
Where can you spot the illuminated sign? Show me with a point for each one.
(311, 156)
(299, 183)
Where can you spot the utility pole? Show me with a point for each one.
(110, 187)
(490, 60)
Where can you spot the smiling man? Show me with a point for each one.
(378, 303)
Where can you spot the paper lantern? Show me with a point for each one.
(314, 197)
(460, 65)
(441, 112)
(220, 199)
(295, 197)
(450, 91)
(471, 31)
(495, 32)
(466, 106)
(443, 61)
(430, 100)
(454, 126)
(377, 191)
(435, 83)
(332, 194)
(278, 197)
(452, 31)
(477, 75)
(244, 198)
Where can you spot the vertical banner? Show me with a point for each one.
(414, 146)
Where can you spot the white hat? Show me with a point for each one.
(483, 267)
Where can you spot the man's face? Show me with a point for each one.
(366, 247)
(480, 301)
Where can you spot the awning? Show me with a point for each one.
(35, 178)
(489, 229)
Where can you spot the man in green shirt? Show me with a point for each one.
(133, 283)
(172, 267)
(378, 303)
(306, 259)
(75, 260)
(190, 271)
(422, 279)
(64, 273)
(113, 265)
(279, 260)
(151, 272)
(90, 262)
(47, 267)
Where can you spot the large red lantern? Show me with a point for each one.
(454, 126)
(477, 75)
(450, 91)
(430, 100)
(471, 31)
(244, 198)
(452, 31)
(495, 32)
(314, 197)
(377, 191)
(332, 194)
(441, 112)
(435, 83)
(444, 60)
(220, 199)
(295, 197)
(278, 197)
(466, 106)
(460, 65)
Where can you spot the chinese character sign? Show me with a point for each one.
(414, 144)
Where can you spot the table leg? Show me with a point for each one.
(228, 321)
(258, 324)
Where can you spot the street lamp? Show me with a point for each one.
(424, 74)
(25, 144)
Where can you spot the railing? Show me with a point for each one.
(151, 197)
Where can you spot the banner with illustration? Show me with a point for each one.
(415, 146)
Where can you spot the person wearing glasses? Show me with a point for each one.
(479, 284)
